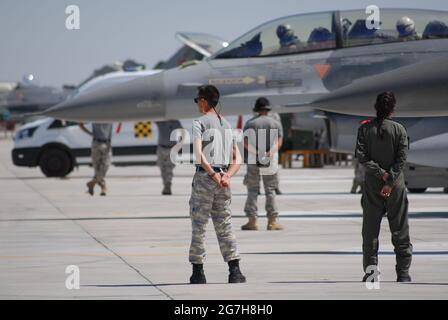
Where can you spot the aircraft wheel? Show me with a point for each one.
(417, 190)
(55, 163)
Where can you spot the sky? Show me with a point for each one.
(34, 39)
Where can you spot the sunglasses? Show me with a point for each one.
(196, 100)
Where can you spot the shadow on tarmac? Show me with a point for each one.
(348, 253)
(144, 285)
(416, 215)
(342, 282)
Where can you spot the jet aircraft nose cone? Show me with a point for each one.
(430, 151)
(131, 100)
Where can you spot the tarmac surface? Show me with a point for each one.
(133, 243)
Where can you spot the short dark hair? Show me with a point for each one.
(209, 93)
(262, 103)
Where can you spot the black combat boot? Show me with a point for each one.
(167, 190)
(198, 276)
(366, 276)
(403, 276)
(235, 275)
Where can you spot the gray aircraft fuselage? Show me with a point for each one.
(341, 77)
(428, 137)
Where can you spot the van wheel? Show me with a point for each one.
(55, 163)
(417, 190)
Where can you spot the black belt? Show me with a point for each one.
(101, 141)
(165, 146)
(216, 169)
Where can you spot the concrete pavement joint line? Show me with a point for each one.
(94, 238)
(128, 264)
(328, 215)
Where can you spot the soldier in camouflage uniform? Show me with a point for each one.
(275, 116)
(382, 147)
(211, 194)
(270, 180)
(101, 151)
(164, 146)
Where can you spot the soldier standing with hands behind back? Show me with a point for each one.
(267, 125)
(382, 147)
(217, 160)
(101, 151)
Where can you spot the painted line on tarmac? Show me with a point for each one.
(283, 214)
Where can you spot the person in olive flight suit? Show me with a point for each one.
(382, 147)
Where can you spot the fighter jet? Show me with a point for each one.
(27, 97)
(331, 61)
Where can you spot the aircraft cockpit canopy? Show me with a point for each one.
(332, 30)
(395, 25)
(294, 34)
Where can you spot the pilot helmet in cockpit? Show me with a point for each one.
(406, 27)
(286, 35)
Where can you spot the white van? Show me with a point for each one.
(57, 146)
